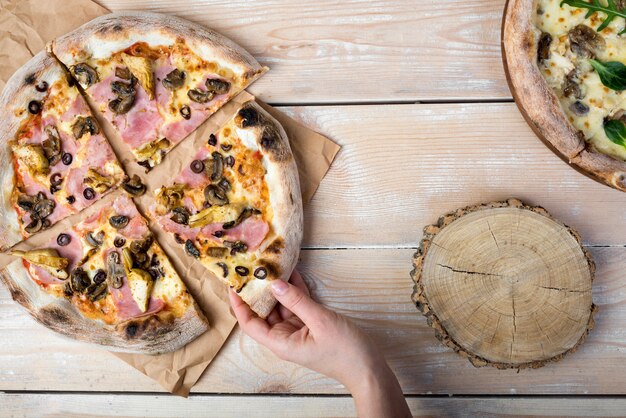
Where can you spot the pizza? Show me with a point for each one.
(107, 281)
(55, 159)
(236, 206)
(154, 78)
(565, 66)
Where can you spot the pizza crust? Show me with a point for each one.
(540, 106)
(153, 334)
(281, 250)
(105, 35)
(18, 92)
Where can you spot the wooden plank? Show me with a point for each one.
(156, 406)
(373, 287)
(359, 50)
(402, 166)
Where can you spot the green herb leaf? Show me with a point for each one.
(610, 10)
(612, 73)
(616, 132)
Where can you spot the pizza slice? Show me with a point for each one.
(107, 281)
(56, 160)
(154, 77)
(237, 207)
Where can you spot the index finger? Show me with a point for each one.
(251, 324)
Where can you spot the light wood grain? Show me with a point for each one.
(402, 166)
(157, 406)
(373, 287)
(359, 50)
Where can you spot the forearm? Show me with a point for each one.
(378, 394)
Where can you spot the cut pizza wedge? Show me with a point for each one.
(154, 77)
(107, 281)
(55, 159)
(236, 206)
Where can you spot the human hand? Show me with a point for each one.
(304, 332)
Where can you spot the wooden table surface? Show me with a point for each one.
(415, 93)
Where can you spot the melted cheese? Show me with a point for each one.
(602, 102)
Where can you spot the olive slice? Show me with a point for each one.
(218, 234)
(224, 268)
(34, 107)
(118, 221)
(226, 147)
(89, 193)
(64, 239)
(100, 276)
(242, 271)
(71, 200)
(212, 140)
(229, 161)
(185, 112)
(200, 96)
(197, 166)
(55, 179)
(66, 158)
(119, 242)
(191, 249)
(260, 273)
(42, 87)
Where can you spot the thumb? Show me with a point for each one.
(298, 302)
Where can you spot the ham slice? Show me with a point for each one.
(252, 231)
(136, 227)
(195, 180)
(73, 252)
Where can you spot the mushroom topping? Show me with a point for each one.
(121, 105)
(260, 273)
(63, 240)
(115, 270)
(543, 47)
(34, 226)
(52, 145)
(133, 186)
(174, 80)
(67, 158)
(199, 96)
(217, 86)
(585, 41)
(33, 157)
(95, 240)
(217, 166)
(84, 74)
(97, 291)
(185, 112)
(224, 268)
(26, 202)
(579, 108)
(236, 247)
(118, 221)
(97, 181)
(215, 196)
(43, 208)
(571, 87)
(197, 166)
(180, 215)
(140, 246)
(217, 252)
(83, 125)
(123, 73)
(141, 68)
(170, 197)
(123, 89)
(245, 214)
(79, 280)
(191, 249)
(242, 271)
(89, 193)
(224, 185)
(34, 107)
(48, 259)
(119, 242)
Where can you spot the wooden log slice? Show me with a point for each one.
(504, 284)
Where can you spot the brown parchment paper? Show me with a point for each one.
(25, 27)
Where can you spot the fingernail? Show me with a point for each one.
(279, 287)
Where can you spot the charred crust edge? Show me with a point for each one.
(421, 302)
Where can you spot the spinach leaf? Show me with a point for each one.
(610, 10)
(612, 73)
(616, 132)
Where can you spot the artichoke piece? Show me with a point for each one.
(170, 197)
(98, 182)
(213, 214)
(147, 151)
(141, 68)
(33, 157)
(48, 259)
(139, 280)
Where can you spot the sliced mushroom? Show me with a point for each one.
(224, 185)
(34, 226)
(217, 167)
(115, 270)
(98, 182)
(33, 157)
(133, 186)
(571, 86)
(191, 249)
(123, 73)
(43, 208)
(543, 47)
(200, 96)
(97, 291)
(217, 86)
(119, 221)
(217, 252)
(48, 259)
(121, 105)
(215, 196)
(585, 42)
(141, 68)
(174, 80)
(122, 89)
(52, 145)
(170, 197)
(26, 202)
(236, 247)
(84, 74)
(579, 108)
(83, 125)
(245, 214)
(95, 240)
(79, 280)
(180, 215)
(140, 246)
